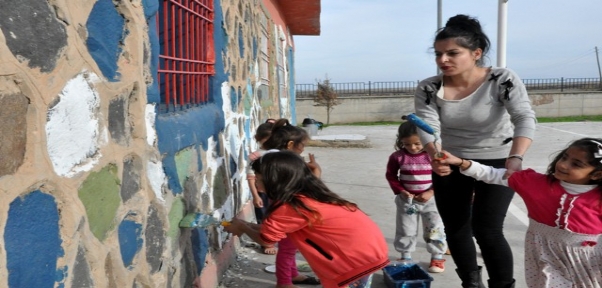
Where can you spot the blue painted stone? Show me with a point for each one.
(105, 31)
(130, 240)
(150, 8)
(239, 97)
(184, 126)
(220, 43)
(255, 47)
(200, 247)
(152, 91)
(233, 165)
(32, 241)
(61, 276)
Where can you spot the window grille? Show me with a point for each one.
(187, 57)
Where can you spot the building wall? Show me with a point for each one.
(390, 108)
(94, 179)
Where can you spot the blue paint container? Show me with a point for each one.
(400, 275)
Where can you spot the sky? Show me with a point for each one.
(391, 40)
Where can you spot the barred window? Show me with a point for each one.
(187, 57)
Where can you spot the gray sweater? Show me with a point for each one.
(479, 125)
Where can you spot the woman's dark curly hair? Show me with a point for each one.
(467, 32)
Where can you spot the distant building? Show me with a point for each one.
(119, 117)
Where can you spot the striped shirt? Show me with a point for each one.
(409, 172)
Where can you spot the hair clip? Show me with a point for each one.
(599, 153)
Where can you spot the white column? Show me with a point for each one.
(439, 21)
(502, 20)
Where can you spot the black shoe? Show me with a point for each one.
(503, 284)
(471, 279)
(309, 280)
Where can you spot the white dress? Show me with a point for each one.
(556, 258)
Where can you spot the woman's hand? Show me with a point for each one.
(513, 165)
(440, 168)
(236, 227)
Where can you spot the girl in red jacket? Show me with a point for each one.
(343, 246)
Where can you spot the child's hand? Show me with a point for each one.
(449, 159)
(236, 227)
(257, 202)
(314, 166)
(425, 196)
(407, 194)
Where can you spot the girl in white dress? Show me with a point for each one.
(563, 245)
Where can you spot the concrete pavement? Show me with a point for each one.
(358, 174)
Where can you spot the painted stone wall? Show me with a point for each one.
(93, 179)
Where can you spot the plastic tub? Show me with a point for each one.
(406, 276)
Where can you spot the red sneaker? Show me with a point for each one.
(437, 265)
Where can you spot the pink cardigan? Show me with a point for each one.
(549, 204)
(341, 248)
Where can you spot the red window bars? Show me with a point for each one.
(187, 55)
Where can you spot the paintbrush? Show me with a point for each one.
(412, 118)
(193, 220)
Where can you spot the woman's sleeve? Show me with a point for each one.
(517, 103)
(425, 104)
(282, 221)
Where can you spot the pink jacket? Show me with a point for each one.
(548, 203)
(341, 248)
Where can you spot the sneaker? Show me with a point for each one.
(437, 265)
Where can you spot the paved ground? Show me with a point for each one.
(358, 174)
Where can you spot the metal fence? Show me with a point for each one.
(408, 87)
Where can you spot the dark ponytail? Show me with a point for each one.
(282, 133)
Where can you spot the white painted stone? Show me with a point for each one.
(233, 137)
(156, 178)
(150, 116)
(72, 130)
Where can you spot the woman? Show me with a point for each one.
(481, 113)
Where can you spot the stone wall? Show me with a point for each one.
(390, 108)
(94, 177)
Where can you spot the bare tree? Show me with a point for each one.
(326, 96)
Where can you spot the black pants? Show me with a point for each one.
(483, 219)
